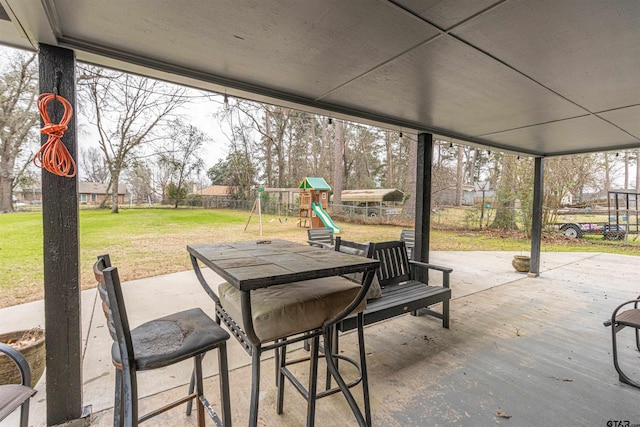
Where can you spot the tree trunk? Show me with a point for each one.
(338, 161)
(389, 150)
(638, 171)
(6, 204)
(114, 191)
(6, 182)
(505, 215)
(268, 165)
(103, 202)
(459, 177)
(317, 146)
(626, 169)
(409, 208)
(607, 174)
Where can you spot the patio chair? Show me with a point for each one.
(157, 344)
(409, 239)
(321, 237)
(14, 395)
(619, 320)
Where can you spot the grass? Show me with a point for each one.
(149, 242)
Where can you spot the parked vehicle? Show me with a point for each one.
(579, 229)
(623, 219)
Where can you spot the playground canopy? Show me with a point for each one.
(373, 195)
(310, 183)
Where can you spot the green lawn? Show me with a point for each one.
(148, 242)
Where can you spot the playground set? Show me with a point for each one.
(314, 200)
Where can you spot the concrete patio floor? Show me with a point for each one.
(521, 351)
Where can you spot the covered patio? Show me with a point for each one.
(539, 78)
(533, 349)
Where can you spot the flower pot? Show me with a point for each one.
(521, 263)
(32, 348)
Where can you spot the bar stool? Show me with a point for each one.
(285, 314)
(156, 344)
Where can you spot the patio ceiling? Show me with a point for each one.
(542, 77)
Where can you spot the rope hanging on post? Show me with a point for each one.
(53, 155)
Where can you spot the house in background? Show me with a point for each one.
(215, 195)
(29, 196)
(92, 193)
(567, 199)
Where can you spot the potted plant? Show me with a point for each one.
(31, 343)
(521, 263)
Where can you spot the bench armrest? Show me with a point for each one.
(446, 271)
(431, 266)
(320, 244)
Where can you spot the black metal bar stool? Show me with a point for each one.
(156, 344)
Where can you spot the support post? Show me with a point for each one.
(61, 252)
(536, 221)
(423, 197)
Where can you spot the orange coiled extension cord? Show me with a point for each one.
(53, 155)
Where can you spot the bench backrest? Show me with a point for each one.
(409, 238)
(351, 247)
(320, 235)
(394, 262)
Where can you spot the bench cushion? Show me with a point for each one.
(285, 310)
(375, 291)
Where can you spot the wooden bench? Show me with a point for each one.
(409, 239)
(401, 293)
(321, 237)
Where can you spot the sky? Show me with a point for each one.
(200, 112)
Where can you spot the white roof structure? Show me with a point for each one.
(373, 195)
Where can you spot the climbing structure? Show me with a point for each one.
(314, 200)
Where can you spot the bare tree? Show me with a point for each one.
(140, 180)
(18, 117)
(126, 111)
(240, 169)
(182, 154)
(93, 165)
(160, 180)
(609, 170)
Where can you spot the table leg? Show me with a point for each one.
(328, 338)
(255, 388)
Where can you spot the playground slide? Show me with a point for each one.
(324, 216)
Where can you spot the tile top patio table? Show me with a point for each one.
(252, 265)
(258, 264)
